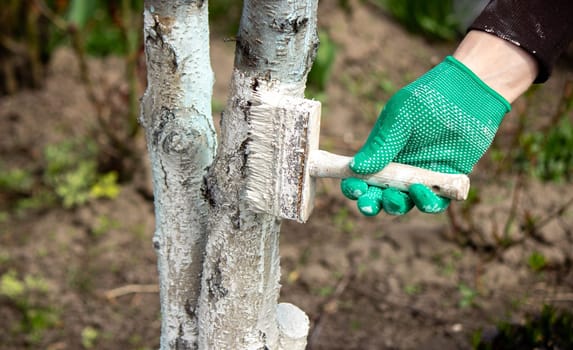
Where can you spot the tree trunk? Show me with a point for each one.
(176, 115)
(218, 261)
(276, 45)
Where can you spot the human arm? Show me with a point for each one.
(426, 123)
(544, 29)
(510, 45)
(506, 68)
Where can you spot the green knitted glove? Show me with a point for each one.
(444, 121)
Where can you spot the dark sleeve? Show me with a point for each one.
(542, 28)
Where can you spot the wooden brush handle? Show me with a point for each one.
(400, 176)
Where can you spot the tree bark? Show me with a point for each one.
(176, 115)
(218, 261)
(276, 45)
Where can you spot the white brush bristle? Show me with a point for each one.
(278, 180)
(263, 152)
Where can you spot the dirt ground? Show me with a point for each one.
(412, 282)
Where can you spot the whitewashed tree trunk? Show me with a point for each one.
(218, 261)
(276, 45)
(176, 115)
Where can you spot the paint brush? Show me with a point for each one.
(284, 161)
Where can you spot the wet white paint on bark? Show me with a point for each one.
(276, 46)
(176, 115)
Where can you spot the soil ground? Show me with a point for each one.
(412, 282)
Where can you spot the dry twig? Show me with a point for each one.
(131, 289)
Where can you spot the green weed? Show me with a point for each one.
(320, 72)
(305, 256)
(21, 189)
(136, 341)
(536, 262)
(550, 329)
(413, 289)
(89, 336)
(432, 18)
(70, 176)
(549, 155)
(446, 263)
(105, 26)
(545, 153)
(71, 171)
(105, 186)
(11, 286)
(43, 198)
(467, 295)
(355, 325)
(103, 225)
(343, 221)
(476, 338)
(28, 297)
(225, 14)
(387, 85)
(217, 106)
(16, 180)
(325, 291)
(101, 28)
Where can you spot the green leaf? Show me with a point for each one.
(16, 180)
(11, 286)
(536, 261)
(89, 337)
(467, 295)
(321, 69)
(106, 186)
(81, 10)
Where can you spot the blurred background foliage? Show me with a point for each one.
(79, 170)
(434, 19)
(104, 27)
(31, 30)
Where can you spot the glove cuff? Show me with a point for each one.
(477, 80)
(458, 83)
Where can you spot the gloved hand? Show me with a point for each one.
(444, 121)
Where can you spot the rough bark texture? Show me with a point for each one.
(276, 46)
(176, 115)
